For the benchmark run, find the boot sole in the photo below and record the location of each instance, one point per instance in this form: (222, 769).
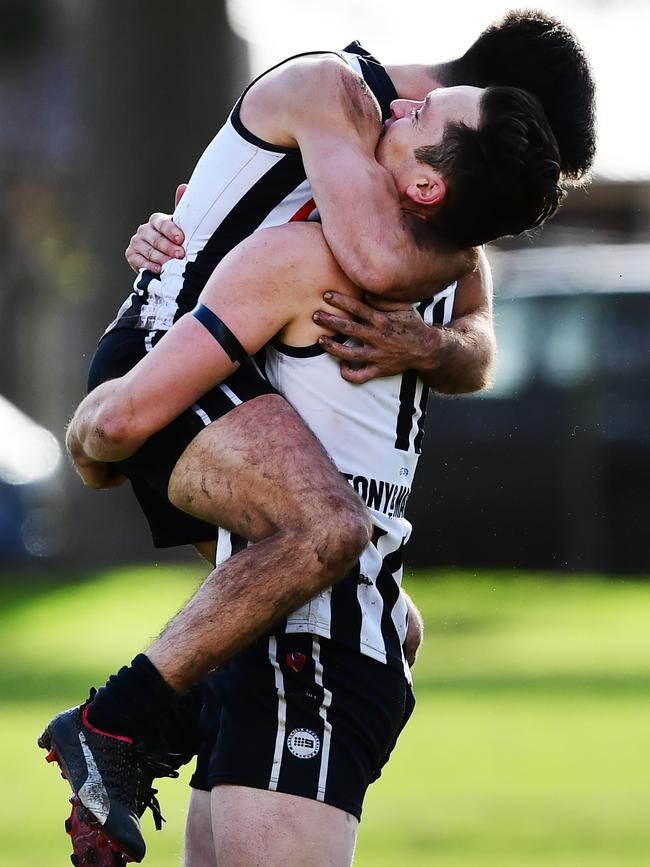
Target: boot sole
(104, 843)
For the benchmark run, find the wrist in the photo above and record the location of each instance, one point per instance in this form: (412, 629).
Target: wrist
(434, 346)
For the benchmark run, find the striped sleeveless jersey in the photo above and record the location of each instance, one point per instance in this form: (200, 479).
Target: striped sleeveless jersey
(373, 433)
(240, 184)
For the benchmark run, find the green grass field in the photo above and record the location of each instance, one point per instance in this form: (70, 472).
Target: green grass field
(529, 746)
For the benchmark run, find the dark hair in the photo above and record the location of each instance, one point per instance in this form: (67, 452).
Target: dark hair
(502, 177)
(535, 52)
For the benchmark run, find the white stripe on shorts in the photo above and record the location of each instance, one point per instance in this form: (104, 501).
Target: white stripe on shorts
(230, 393)
(282, 715)
(202, 414)
(224, 546)
(327, 728)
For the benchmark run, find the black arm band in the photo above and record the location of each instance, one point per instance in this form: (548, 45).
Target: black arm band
(221, 333)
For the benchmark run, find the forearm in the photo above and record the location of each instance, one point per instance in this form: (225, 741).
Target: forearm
(380, 247)
(120, 415)
(458, 358)
(392, 254)
(256, 291)
(98, 431)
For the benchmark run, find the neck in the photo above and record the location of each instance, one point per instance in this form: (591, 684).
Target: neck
(414, 81)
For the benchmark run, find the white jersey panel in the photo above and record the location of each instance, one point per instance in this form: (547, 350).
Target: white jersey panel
(358, 426)
(230, 169)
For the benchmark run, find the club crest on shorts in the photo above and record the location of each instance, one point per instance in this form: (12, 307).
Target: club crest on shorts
(303, 743)
(296, 661)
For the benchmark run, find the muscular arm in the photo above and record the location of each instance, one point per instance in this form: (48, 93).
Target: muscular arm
(392, 338)
(330, 114)
(259, 289)
(462, 355)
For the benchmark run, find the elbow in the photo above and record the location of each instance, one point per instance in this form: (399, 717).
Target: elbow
(479, 375)
(381, 278)
(466, 385)
(379, 282)
(380, 272)
(479, 382)
(479, 378)
(390, 278)
(369, 276)
(471, 378)
(112, 435)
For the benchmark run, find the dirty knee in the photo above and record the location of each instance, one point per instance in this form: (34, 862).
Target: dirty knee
(344, 541)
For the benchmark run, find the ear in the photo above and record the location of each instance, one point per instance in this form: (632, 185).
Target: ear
(427, 189)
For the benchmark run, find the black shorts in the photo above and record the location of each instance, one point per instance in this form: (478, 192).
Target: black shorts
(302, 715)
(150, 468)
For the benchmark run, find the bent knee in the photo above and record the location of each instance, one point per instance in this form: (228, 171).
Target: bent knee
(354, 534)
(339, 542)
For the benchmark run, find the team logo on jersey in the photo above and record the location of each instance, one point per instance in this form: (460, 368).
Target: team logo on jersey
(303, 743)
(296, 661)
(404, 471)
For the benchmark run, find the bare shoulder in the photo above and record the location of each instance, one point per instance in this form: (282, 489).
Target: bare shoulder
(320, 90)
(299, 267)
(299, 254)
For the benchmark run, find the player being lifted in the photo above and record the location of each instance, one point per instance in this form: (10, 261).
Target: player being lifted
(306, 537)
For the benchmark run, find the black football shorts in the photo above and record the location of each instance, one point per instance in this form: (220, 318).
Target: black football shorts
(303, 715)
(150, 468)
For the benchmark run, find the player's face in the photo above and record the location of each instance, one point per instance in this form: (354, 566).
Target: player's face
(415, 124)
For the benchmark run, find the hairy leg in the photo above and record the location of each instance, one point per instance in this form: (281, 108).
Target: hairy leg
(260, 473)
(258, 828)
(199, 845)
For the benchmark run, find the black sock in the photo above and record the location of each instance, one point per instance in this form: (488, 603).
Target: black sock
(137, 703)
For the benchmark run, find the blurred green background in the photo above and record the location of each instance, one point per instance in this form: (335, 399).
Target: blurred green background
(530, 740)
(528, 746)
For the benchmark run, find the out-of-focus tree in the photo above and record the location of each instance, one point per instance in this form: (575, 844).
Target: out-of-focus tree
(109, 106)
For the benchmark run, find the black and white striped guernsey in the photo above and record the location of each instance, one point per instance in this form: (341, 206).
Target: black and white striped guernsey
(240, 184)
(373, 433)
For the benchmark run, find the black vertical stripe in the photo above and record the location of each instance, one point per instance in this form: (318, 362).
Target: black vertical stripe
(439, 312)
(238, 543)
(406, 410)
(389, 590)
(138, 297)
(345, 610)
(145, 279)
(244, 218)
(438, 317)
(407, 399)
(424, 399)
(375, 77)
